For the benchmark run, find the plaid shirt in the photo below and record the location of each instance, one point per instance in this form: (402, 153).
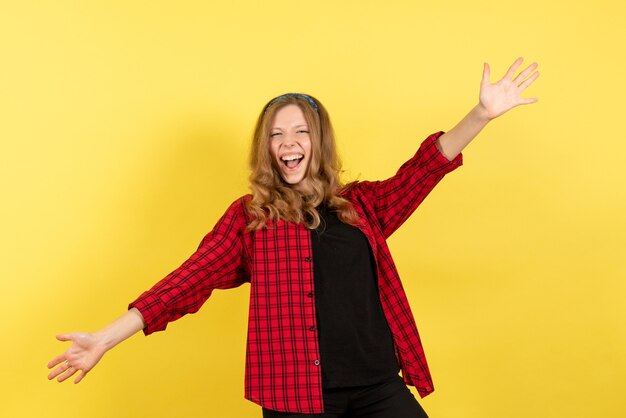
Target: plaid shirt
(283, 364)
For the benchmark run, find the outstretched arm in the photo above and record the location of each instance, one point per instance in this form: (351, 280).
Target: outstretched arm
(216, 264)
(88, 348)
(495, 99)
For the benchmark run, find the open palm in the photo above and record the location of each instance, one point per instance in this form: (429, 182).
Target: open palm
(84, 353)
(504, 95)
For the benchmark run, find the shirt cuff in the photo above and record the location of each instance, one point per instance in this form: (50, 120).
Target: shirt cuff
(436, 161)
(153, 311)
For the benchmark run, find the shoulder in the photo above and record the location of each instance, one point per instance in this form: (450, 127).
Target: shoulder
(240, 202)
(356, 190)
(237, 209)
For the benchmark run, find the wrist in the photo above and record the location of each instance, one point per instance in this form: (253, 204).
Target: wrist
(120, 329)
(481, 114)
(104, 339)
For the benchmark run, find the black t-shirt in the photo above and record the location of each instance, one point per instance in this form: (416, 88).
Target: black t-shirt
(356, 346)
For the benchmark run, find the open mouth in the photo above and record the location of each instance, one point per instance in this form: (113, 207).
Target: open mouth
(292, 161)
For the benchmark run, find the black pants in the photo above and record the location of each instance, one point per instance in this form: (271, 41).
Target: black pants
(389, 399)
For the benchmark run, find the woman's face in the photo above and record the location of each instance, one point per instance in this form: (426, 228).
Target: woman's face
(290, 145)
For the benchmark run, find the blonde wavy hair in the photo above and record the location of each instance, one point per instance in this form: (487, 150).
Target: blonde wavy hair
(273, 198)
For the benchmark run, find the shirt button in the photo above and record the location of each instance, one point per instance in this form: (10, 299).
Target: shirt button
(316, 362)
(307, 259)
(311, 328)
(310, 294)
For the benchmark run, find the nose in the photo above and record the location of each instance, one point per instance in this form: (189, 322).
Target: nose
(289, 140)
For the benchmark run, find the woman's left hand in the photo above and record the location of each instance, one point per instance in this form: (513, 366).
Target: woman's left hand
(498, 98)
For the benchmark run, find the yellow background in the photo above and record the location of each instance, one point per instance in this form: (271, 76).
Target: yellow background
(125, 127)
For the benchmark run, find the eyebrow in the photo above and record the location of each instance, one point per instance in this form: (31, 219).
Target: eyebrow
(297, 126)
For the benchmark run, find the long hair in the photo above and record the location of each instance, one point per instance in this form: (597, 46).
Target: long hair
(272, 197)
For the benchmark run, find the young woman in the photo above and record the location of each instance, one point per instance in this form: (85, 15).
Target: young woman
(329, 324)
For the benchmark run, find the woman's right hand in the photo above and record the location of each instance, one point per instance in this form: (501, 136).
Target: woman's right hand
(84, 353)
(88, 348)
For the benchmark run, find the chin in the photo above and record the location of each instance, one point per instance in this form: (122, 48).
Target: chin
(293, 183)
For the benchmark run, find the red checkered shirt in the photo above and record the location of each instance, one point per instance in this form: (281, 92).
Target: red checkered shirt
(283, 364)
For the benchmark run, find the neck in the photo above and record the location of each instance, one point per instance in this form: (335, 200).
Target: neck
(304, 187)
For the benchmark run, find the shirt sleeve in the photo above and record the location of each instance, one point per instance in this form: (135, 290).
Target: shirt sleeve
(396, 198)
(216, 264)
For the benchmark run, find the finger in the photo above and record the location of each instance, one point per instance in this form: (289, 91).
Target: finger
(68, 373)
(80, 376)
(486, 73)
(55, 373)
(65, 337)
(529, 101)
(62, 368)
(57, 360)
(529, 81)
(513, 68)
(522, 76)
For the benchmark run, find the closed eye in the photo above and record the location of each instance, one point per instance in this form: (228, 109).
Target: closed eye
(280, 133)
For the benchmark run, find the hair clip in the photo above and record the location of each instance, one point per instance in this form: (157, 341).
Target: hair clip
(304, 96)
